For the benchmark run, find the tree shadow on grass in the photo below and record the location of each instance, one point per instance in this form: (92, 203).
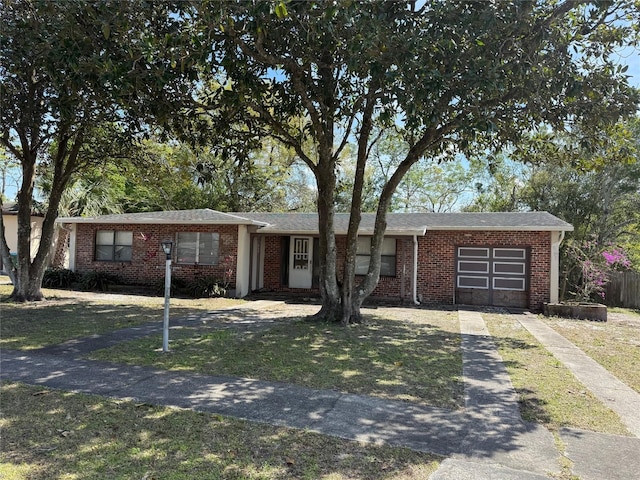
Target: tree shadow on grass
(389, 359)
(34, 325)
(48, 434)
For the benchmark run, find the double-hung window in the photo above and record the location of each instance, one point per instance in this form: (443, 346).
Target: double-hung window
(387, 257)
(198, 247)
(113, 246)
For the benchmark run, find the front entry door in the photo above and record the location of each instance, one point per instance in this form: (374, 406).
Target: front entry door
(300, 262)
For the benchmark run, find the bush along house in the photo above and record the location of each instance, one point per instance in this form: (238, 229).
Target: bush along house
(495, 259)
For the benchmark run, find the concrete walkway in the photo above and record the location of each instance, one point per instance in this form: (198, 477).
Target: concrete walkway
(486, 440)
(608, 389)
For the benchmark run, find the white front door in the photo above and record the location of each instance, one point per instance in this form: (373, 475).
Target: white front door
(300, 262)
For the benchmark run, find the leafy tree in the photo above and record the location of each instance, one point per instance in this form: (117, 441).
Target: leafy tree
(71, 75)
(595, 186)
(452, 76)
(173, 176)
(498, 184)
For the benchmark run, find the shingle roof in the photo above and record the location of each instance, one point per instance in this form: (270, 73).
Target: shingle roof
(201, 216)
(11, 208)
(307, 223)
(413, 223)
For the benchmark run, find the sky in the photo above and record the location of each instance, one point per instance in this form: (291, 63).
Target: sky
(631, 57)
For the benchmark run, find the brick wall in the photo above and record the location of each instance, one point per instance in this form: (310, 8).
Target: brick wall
(436, 264)
(147, 263)
(436, 254)
(436, 259)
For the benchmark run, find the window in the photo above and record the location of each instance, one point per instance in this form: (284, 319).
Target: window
(113, 246)
(387, 256)
(198, 247)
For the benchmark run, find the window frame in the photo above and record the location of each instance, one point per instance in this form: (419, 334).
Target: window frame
(362, 268)
(216, 240)
(113, 246)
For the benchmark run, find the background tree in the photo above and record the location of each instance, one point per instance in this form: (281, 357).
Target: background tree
(593, 185)
(451, 76)
(70, 75)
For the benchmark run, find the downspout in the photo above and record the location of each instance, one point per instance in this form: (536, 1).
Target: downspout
(415, 270)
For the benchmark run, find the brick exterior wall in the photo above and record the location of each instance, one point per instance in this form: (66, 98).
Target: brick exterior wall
(436, 259)
(436, 264)
(147, 263)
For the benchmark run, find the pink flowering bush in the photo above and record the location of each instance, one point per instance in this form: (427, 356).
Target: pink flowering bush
(589, 267)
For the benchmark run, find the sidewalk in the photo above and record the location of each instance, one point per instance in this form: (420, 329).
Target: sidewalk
(486, 440)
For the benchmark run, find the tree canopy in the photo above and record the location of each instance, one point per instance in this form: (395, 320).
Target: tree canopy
(450, 76)
(78, 80)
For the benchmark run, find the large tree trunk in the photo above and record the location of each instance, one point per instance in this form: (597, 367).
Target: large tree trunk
(331, 310)
(28, 282)
(23, 288)
(359, 292)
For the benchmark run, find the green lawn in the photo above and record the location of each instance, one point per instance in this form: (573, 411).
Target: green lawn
(402, 354)
(48, 434)
(67, 314)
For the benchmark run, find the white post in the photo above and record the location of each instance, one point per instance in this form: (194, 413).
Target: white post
(166, 247)
(167, 294)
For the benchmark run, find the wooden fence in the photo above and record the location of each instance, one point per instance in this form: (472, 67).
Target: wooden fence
(623, 290)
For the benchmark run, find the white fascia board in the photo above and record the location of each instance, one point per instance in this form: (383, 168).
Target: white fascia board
(528, 228)
(311, 233)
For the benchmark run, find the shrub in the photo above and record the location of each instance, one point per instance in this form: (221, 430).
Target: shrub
(100, 281)
(178, 287)
(206, 287)
(58, 278)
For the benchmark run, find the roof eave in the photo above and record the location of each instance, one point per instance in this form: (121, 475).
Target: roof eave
(510, 228)
(388, 232)
(151, 221)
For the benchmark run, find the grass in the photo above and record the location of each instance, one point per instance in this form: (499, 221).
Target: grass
(67, 314)
(402, 354)
(614, 344)
(549, 393)
(49, 434)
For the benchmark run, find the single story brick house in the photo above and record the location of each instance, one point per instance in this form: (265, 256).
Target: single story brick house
(500, 259)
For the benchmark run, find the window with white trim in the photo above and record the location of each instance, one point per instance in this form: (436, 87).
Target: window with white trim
(387, 256)
(113, 246)
(200, 248)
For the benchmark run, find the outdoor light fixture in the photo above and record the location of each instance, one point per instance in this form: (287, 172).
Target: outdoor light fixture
(167, 246)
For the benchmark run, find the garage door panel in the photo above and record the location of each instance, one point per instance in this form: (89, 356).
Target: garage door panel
(509, 298)
(509, 268)
(473, 282)
(492, 276)
(508, 284)
(468, 296)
